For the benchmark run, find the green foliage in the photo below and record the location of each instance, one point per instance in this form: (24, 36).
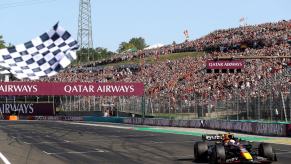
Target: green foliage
(124, 46)
(87, 55)
(133, 45)
(139, 43)
(2, 43)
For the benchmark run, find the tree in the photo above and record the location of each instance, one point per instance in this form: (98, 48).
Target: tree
(102, 53)
(139, 43)
(133, 44)
(124, 46)
(2, 43)
(94, 54)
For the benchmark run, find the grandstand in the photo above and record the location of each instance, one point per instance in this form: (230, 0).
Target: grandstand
(180, 85)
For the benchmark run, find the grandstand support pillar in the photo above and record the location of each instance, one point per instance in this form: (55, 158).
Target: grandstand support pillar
(284, 107)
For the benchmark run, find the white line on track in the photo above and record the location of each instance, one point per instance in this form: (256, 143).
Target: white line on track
(101, 125)
(162, 142)
(284, 152)
(46, 142)
(4, 159)
(77, 152)
(174, 157)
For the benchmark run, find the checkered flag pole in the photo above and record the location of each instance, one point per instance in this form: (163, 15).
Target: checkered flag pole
(43, 56)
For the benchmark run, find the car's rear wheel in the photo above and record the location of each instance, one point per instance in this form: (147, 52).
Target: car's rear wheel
(200, 151)
(266, 151)
(218, 155)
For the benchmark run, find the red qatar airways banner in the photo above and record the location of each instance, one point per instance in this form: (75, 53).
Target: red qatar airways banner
(71, 89)
(225, 64)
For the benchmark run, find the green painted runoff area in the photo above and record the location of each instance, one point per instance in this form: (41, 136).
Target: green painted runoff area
(197, 134)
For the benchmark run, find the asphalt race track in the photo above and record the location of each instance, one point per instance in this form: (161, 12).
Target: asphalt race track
(34, 142)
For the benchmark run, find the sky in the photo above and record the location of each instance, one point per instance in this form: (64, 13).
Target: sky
(115, 21)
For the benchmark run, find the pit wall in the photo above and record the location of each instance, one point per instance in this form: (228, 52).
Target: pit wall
(249, 127)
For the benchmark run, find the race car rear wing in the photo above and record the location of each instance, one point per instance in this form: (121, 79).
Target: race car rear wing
(212, 137)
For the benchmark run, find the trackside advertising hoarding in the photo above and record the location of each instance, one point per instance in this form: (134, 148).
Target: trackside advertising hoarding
(225, 64)
(71, 89)
(28, 109)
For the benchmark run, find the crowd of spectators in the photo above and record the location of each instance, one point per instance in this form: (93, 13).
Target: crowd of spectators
(238, 39)
(183, 78)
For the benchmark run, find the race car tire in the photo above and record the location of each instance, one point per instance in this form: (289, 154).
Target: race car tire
(218, 155)
(266, 151)
(200, 151)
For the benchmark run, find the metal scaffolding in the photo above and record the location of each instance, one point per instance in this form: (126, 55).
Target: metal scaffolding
(85, 28)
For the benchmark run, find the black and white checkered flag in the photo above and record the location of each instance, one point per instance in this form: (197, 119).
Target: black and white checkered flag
(43, 56)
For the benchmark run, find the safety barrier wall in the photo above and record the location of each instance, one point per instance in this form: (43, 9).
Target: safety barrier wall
(103, 119)
(163, 122)
(259, 128)
(57, 118)
(268, 129)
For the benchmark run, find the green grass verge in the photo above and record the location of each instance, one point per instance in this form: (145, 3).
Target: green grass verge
(193, 133)
(153, 59)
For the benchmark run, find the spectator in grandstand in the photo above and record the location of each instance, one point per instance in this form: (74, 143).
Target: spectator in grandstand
(181, 80)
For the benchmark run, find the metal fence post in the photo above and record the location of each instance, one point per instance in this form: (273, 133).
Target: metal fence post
(248, 114)
(143, 106)
(259, 107)
(70, 103)
(271, 106)
(289, 99)
(284, 108)
(79, 103)
(89, 103)
(237, 107)
(94, 103)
